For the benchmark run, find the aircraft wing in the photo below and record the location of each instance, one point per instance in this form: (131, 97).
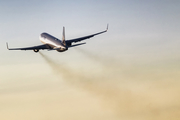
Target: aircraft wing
(69, 42)
(31, 48)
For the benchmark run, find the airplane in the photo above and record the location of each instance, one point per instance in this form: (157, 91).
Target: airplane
(52, 43)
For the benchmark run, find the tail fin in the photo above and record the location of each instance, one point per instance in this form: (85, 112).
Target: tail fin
(63, 36)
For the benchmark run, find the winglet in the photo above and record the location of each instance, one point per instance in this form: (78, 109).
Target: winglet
(7, 45)
(107, 27)
(63, 36)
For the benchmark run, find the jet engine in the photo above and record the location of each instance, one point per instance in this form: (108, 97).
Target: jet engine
(36, 50)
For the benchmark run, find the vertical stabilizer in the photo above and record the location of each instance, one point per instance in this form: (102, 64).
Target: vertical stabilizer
(63, 36)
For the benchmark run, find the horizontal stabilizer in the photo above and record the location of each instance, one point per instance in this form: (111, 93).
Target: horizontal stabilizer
(77, 44)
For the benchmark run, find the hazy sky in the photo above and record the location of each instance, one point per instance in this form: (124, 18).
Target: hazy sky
(143, 38)
(134, 26)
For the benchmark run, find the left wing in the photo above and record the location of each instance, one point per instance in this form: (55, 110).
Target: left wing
(31, 48)
(69, 42)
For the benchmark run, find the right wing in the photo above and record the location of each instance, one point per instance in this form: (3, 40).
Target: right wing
(69, 42)
(31, 48)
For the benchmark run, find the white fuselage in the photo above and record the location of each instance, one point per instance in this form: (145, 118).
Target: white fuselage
(53, 42)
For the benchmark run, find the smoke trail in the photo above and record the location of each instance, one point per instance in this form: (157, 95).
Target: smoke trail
(62, 71)
(110, 94)
(106, 62)
(126, 103)
(109, 66)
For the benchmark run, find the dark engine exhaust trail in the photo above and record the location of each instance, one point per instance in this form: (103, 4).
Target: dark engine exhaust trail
(55, 67)
(124, 101)
(92, 56)
(62, 71)
(111, 96)
(109, 66)
(104, 61)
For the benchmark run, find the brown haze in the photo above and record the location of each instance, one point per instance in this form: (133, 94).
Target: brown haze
(138, 92)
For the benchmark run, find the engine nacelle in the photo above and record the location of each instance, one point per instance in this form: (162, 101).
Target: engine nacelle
(36, 50)
(69, 44)
(62, 50)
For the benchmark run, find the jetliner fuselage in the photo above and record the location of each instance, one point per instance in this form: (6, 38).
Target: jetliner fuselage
(53, 42)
